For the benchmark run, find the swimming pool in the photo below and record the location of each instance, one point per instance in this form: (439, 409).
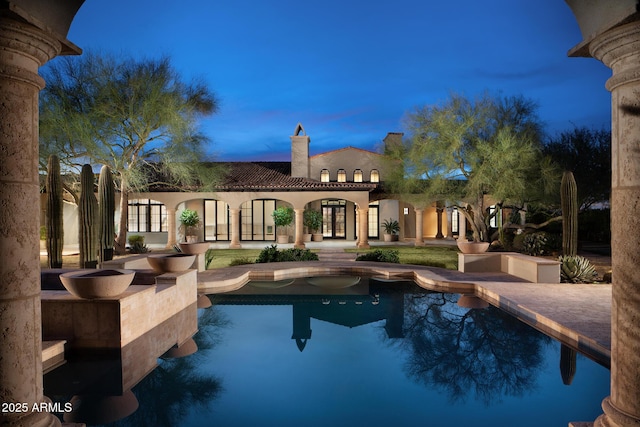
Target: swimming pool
(372, 353)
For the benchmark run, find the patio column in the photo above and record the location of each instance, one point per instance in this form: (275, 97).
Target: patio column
(619, 49)
(363, 228)
(235, 229)
(23, 49)
(298, 238)
(449, 235)
(419, 227)
(439, 234)
(171, 227)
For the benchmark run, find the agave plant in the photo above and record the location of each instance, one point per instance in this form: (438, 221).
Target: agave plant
(576, 269)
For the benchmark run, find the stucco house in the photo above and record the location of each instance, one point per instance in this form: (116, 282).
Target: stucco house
(346, 185)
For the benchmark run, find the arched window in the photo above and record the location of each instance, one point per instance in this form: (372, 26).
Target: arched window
(375, 176)
(357, 175)
(324, 175)
(342, 175)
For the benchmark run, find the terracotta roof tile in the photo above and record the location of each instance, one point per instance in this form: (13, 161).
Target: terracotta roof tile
(276, 176)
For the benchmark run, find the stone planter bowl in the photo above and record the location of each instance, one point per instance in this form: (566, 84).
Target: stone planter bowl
(91, 284)
(194, 248)
(472, 247)
(171, 263)
(185, 349)
(96, 409)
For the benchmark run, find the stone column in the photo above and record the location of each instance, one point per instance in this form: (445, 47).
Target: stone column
(23, 49)
(171, 227)
(449, 235)
(235, 229)
(439, 234)
(419, 227)
(619, 49)
(298, 238)
(363, 230)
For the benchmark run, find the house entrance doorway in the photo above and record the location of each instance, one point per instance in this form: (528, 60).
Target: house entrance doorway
(334, 213)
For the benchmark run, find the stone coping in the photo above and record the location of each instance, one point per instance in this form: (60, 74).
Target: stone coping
(52, 355)
(577, 315)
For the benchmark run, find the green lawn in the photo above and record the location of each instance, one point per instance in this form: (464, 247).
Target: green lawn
(433, 256)
(223, 257)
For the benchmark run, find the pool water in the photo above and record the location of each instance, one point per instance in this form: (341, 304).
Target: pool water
(370, 353)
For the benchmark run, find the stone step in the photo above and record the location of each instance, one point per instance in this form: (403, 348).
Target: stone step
(336, 255)
(52, 355)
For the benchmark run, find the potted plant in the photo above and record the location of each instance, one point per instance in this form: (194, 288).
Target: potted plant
(391, 229)
(313, 221)
(190, 221)
(283, 217)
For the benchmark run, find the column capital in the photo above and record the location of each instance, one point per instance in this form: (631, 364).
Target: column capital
(23, 49)
(619, 49)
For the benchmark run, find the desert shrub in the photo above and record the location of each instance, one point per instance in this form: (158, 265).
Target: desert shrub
(268, 254)
(295, 254)
(272, 254)
(576, 269)
(380, 255)
(208, 258)
(540, 243)
(136, 244)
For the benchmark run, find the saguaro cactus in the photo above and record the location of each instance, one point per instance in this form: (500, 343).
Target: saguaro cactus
(88, 230)
(569, 203)
(106, 211)
(567, 364)
(54, 223)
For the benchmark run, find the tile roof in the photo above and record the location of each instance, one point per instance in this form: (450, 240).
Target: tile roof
(276, 176)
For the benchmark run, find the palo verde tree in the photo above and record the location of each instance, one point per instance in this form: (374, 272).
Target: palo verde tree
(137, 116)
(464, 151)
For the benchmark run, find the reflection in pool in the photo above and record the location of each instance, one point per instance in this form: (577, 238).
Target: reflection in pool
(376, 353)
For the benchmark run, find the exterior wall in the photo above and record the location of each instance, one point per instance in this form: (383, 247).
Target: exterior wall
(348, 159)
(389, 209)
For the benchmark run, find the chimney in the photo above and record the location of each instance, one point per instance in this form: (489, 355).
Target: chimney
(300, 153)
(392, 141)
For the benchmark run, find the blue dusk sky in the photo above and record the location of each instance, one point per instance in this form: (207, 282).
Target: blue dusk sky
(349, 71)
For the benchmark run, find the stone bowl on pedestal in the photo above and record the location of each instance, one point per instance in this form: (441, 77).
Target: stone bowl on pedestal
(193, 248)
(472, 247)
(185, 349)
(97, 409)
(171, 263)
(91, 284)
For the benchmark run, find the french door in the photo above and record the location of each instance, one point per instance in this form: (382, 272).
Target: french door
(334, 213)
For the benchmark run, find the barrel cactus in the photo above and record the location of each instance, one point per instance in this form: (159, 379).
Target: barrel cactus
(569, 203)
(106, 212)
(88, 220)
(54, 223)
(576, 269)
